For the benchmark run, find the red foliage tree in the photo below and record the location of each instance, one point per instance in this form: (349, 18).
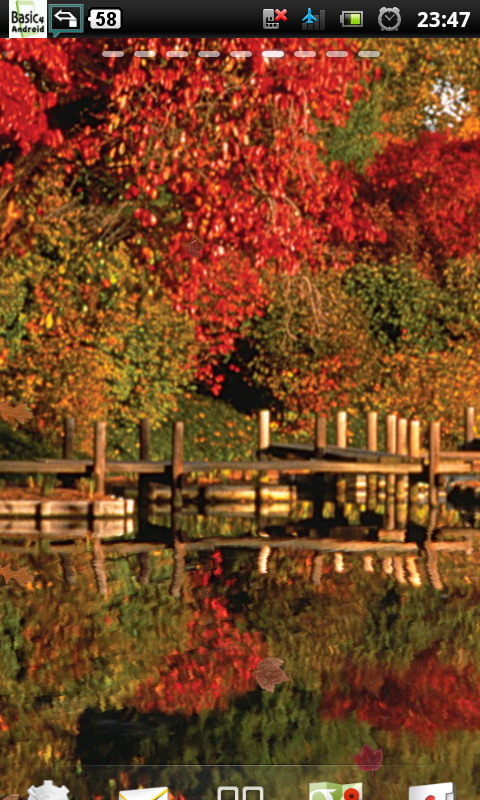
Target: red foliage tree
(425, 195)
(427, 698)
(225, 152)
(216, 665)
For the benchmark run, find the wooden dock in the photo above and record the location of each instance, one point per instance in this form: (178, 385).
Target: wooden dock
(403, 461)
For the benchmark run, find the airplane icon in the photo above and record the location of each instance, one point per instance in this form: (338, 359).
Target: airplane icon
(313, 22)
(309, 17)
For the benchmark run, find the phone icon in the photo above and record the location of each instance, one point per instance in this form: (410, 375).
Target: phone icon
(269, 20)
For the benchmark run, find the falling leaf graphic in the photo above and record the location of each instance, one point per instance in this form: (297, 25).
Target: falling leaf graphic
(18, 413)
(21, 576)
(268, 673)
(368, 759)
(194, 248)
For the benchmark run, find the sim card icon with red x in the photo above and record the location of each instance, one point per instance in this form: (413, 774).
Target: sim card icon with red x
(271, 18)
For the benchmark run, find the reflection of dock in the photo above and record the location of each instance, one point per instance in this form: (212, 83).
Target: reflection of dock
(70, 526)
(66, 528)
(405, 562)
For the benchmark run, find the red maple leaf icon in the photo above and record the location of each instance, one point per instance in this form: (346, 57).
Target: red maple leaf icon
(368, 759)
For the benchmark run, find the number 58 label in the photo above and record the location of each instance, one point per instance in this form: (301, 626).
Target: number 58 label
(105, 18)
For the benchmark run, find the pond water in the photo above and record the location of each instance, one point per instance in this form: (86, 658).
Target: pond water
(125, 653)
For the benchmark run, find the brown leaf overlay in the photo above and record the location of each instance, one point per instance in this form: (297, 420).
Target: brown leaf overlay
(368, 759)
(21, 576)
(268, 673)
(194, 248)
(18, 413)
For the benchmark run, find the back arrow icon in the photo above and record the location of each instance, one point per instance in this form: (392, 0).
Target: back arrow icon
(67, 15)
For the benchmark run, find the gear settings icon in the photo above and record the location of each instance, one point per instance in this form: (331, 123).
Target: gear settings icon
(48, 792)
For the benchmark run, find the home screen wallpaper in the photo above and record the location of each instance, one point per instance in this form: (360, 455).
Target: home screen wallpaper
(239, 360)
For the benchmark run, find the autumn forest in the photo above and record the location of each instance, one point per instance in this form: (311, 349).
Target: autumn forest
(200, 238)
(334, 205)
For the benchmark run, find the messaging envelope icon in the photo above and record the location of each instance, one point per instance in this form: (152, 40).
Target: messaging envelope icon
(432, 791)
(160, 793)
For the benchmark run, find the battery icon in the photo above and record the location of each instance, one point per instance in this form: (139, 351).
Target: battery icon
(351, 19)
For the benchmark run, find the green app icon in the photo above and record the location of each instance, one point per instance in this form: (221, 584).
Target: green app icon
(335, 791)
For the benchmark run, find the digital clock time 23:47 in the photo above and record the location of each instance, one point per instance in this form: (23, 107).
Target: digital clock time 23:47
(432, 19)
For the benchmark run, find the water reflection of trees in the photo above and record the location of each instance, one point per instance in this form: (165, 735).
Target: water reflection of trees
(108, 658)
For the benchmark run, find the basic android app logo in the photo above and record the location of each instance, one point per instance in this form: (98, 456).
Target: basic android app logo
(27, 19)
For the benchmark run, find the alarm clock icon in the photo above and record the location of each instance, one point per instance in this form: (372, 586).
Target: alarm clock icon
(389, 19)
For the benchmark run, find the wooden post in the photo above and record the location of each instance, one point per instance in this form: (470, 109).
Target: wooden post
(341, 429)
(341, 441)
(99, 457)
(320, 435)
(143, 480)
(390, 512)
(414, 438)
(433, 462)
(263, 430)
(392, 433)
(372, 430)
(68, 481)
(68, 436)
(391, 439)
(372, 444)
(177, 465)
(318, 481)
(402, 437)
(145, 439)
(469, 424)
(414, 451)
(402, 480)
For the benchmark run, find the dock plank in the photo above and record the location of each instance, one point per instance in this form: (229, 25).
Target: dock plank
(45, 466)
(342, 453)
(62, 466)
(307, 465)
(383, 464)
